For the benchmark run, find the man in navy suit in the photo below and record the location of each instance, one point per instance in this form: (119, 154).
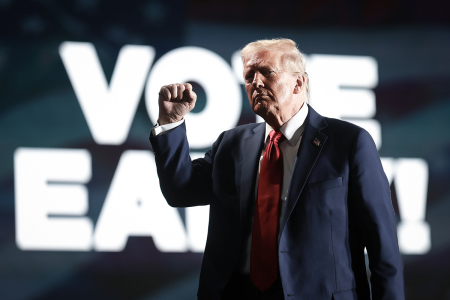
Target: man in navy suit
(293, 201)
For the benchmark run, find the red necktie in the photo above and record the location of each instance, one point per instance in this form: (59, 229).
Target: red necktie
(263, 256)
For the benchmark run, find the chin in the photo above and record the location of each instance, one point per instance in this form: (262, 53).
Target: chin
(261, 108)
(260, 111)
(263, 114)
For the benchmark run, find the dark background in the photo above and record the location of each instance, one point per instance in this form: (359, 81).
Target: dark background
(38, 108)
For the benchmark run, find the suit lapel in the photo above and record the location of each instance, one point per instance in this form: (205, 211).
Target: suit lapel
(307, 155)
(251, 152)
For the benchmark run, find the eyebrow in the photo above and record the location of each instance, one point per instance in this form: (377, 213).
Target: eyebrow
(261, 66)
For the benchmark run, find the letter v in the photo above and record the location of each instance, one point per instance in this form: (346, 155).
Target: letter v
(109, 111)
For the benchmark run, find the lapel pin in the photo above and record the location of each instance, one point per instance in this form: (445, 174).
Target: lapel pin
(316, 142)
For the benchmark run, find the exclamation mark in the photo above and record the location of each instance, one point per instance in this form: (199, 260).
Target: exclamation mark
(411, 184)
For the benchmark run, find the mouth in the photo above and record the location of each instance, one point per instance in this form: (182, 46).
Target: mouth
(260, 97)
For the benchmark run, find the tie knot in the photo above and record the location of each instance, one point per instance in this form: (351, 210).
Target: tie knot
(276, 136)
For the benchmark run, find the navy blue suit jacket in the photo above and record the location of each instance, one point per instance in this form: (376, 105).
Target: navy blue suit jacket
(338, 203)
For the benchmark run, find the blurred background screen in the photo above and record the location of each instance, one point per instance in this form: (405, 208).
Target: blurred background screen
(81, 211)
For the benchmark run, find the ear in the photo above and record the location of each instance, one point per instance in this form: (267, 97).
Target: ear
(300, 84)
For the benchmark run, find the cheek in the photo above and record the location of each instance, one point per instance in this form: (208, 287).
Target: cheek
(249, 91)
(283, 91)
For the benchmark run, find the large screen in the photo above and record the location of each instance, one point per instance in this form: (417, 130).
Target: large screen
(81, 211)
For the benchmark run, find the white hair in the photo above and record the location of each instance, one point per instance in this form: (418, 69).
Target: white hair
(292, 60)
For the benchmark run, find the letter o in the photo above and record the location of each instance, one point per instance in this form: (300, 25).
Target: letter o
(223, 96)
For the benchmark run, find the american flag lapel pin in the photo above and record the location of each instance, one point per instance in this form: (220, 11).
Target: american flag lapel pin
(316, 142)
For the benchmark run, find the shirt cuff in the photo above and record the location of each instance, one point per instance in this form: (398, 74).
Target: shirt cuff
(163, 129)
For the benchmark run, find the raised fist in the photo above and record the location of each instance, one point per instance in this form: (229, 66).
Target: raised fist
(175, 101)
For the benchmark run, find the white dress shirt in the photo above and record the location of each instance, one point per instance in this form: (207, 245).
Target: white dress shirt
(293, 131)
(162, 129)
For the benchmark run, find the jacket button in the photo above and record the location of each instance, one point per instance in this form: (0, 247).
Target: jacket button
(283, 251)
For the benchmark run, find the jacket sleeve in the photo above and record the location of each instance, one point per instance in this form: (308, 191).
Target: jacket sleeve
(370, 193)
(183, 182)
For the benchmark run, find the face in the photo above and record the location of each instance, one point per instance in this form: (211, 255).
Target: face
(274, 93)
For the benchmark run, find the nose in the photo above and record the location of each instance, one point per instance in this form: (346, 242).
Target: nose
(257, 80)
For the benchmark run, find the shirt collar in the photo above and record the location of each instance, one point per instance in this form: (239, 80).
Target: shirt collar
(292, 129)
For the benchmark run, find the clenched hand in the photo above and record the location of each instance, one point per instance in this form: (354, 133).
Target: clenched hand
(175, 101)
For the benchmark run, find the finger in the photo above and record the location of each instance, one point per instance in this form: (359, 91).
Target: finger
(189, 94)
(173, 91)
(192, 96)
(188, 86)
(165, 93)
(180, 91)
(192, 99)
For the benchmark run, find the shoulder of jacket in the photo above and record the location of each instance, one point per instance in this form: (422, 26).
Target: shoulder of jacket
(340, 125)
(241, 129)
